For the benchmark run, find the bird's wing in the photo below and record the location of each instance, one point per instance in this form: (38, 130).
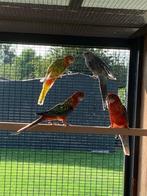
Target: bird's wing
(124, 112)
(59, 109)
(103, 66)
(47, 75)
(55, 69)
(93, 67)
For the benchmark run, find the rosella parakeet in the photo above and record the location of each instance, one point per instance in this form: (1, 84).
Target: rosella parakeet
(118, 119)
(59, 112)
(55, 71)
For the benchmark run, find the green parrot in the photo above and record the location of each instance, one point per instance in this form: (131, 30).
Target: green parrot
(59, 112)
(55, 71)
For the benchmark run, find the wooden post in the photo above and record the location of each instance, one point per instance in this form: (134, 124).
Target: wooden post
(142, 175)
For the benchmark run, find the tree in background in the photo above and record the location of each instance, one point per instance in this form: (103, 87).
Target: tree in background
(28, 65)
(116, 62)
(7, 56)
(25, 64)
(42, 65)
(7, 53)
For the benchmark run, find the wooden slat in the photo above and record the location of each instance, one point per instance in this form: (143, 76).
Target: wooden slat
(140, 32)
(71, 20)
(75, 4)
(8, 126)
(142, 173)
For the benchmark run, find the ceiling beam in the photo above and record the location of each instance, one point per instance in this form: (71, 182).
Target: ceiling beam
(75, 4)
(141, 32)
(65, 40)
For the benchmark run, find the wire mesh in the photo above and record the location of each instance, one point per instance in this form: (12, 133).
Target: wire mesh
(58, 163)
(75, 18)
(116, 5)
(41, 2)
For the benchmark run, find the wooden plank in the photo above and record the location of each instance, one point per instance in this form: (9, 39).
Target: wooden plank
(140, 32)
(8, 126)
(142, 172)
(75, 4)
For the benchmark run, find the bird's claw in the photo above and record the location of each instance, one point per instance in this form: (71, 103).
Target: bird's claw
(50, 123)
(116, 137)
(15, 134)
(94, 77)
(65, 124)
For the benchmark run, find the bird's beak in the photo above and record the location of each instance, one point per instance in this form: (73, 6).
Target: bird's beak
(71, 61)
(110, 100)
(81, 98)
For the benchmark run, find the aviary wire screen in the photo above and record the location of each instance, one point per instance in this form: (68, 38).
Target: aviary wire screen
(58, 164)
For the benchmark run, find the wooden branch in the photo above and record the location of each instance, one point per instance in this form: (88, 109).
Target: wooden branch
(75, 4)
(9, 126)
(66, 74)
(77, 73)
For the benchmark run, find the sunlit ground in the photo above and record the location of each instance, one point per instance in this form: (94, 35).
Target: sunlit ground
(60, 173)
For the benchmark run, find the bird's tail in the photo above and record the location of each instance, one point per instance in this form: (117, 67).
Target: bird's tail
(47, 85)
(125, 144)
(103, 90)
(32, 124)
(111, 76)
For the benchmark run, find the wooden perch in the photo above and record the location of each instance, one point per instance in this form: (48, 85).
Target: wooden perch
(66, 74)
(77, 73)
(10, 126)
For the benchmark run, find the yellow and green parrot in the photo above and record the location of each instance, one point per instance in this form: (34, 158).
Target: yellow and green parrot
(55, 71)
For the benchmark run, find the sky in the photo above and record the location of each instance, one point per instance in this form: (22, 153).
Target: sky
(39, 49)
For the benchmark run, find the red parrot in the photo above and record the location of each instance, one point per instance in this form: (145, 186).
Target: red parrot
(118, 119)
(59, 112)
(55, 71)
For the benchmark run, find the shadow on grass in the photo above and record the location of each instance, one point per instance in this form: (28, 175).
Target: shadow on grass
(111, 161)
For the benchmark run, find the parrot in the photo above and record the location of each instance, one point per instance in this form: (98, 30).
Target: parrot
(118, 118)
(100, 71)
(59, 112)
(54, 71)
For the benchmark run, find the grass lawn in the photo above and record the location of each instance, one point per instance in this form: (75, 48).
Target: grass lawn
(122, 95)
(27, 172)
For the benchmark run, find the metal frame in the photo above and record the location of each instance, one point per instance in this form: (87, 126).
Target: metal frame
(27, 38)
(135, 46)
(134, 96)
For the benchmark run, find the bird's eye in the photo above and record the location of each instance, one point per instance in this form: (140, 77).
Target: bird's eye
(112, 100)
(81, 98)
